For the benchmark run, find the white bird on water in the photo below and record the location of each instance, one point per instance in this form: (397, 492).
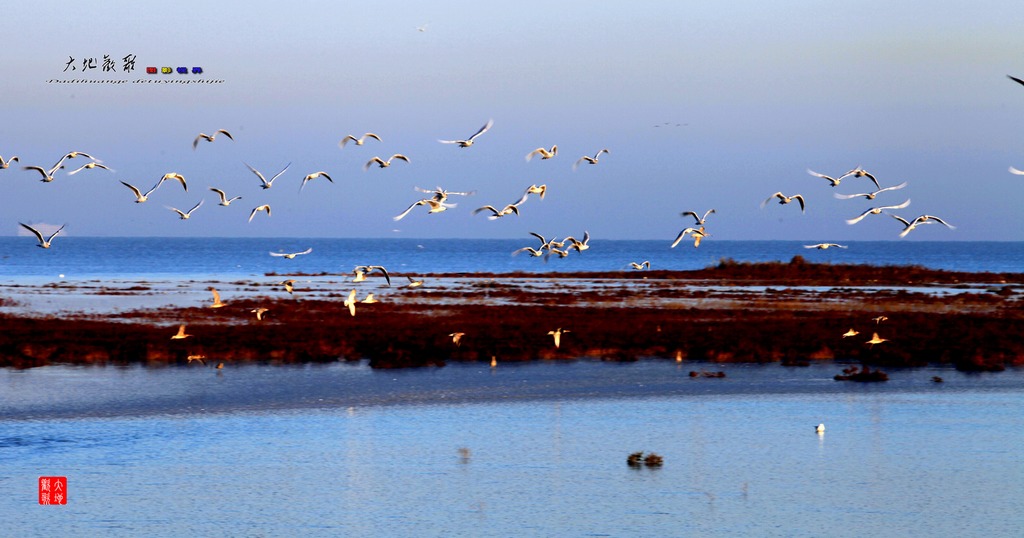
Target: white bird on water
(267, 183)
(820, 428)
(469, 141)
(43, 243)
(291, 255)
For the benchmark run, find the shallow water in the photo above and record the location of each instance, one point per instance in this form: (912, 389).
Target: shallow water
(344, 450)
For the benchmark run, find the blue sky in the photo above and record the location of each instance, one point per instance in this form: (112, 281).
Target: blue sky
(760, 94)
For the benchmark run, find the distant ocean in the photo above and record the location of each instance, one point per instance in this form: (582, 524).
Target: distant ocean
(85, 257)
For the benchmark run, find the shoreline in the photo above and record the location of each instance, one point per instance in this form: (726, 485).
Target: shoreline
(792, 313)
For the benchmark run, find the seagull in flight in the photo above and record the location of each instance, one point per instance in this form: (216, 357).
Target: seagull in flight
(533, 189)
(259, 312)
(457, 338)
(267, 184)
(73, 155)
(264, 207)
(580, 246)
(871, 195)
(291, 255)
(177, 177)
(469, 141)
(209, 138)
(217, 303)
(184, 215)
(43, 243)
(875, 340)
(367, 269)
(224, 200)
(696, 233)
(139, 196)
(5, 164)
(440, 195)
(557, 334)
(289, 286)
(313, 176)
(435, 207)
(181, 333)
(850, 333)
(413, 283)
(700, 220)
(47, 174)
(785, 199)
(359, 141)
(350, 302)
(507, 210)
(923, 219)
(825, 246)
(876, 211)
(640, 266)
(1012, 169)
(834, 182)
(381, 163)
(860, 172)
(544, 153)
(589, 160)
(89, 166)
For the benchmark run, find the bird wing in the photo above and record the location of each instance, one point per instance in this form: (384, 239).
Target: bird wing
(383, 270)
(406, 212)
(346, 139)
(901, 185)
(800, 199)
(198, 138)
(860, 217)
(227, 134)
(33, 230)
(223, 196)
(1015, 79)
(778, 195)
(258, 174)
(681, 235)
(848, 196)
(195, 207)
(370, 163)
(482, 130)
(936, 219)
(1016, 171)
(400, 157)
(277, 175)
(872, 178)
(488, 207)
(138, 194)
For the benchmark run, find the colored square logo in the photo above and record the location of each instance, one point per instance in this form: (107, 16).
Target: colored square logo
(151, 70)
(53, 490)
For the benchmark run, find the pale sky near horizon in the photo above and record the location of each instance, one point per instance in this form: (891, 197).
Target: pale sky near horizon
(701, 106)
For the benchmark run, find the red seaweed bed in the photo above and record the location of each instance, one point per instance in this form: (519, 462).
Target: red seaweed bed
(978, 329)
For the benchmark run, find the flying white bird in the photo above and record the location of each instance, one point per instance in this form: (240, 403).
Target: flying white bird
(435, 207)
(224, 200)
(89, 166)
(267, 184)
(47, 174)
(177, 177)
(589, 160)
(469, 141)
(313, 176)
(359, 141)
(381, 163)
(785, 199)
(139, 196)
(876, 211)
(43, 243)
(544, 153)
(696, 233)
(209, 138)
(700, 220)
(834, 182)
(5, 164)
(264, 207)
(184, 215)
(869, 195)
(533, 189)
(291, 255)
(860, 172)
(824, 246)
(507, 210)
(350, 302)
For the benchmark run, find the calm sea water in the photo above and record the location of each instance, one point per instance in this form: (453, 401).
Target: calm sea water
(521, 450)
(225, 257)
